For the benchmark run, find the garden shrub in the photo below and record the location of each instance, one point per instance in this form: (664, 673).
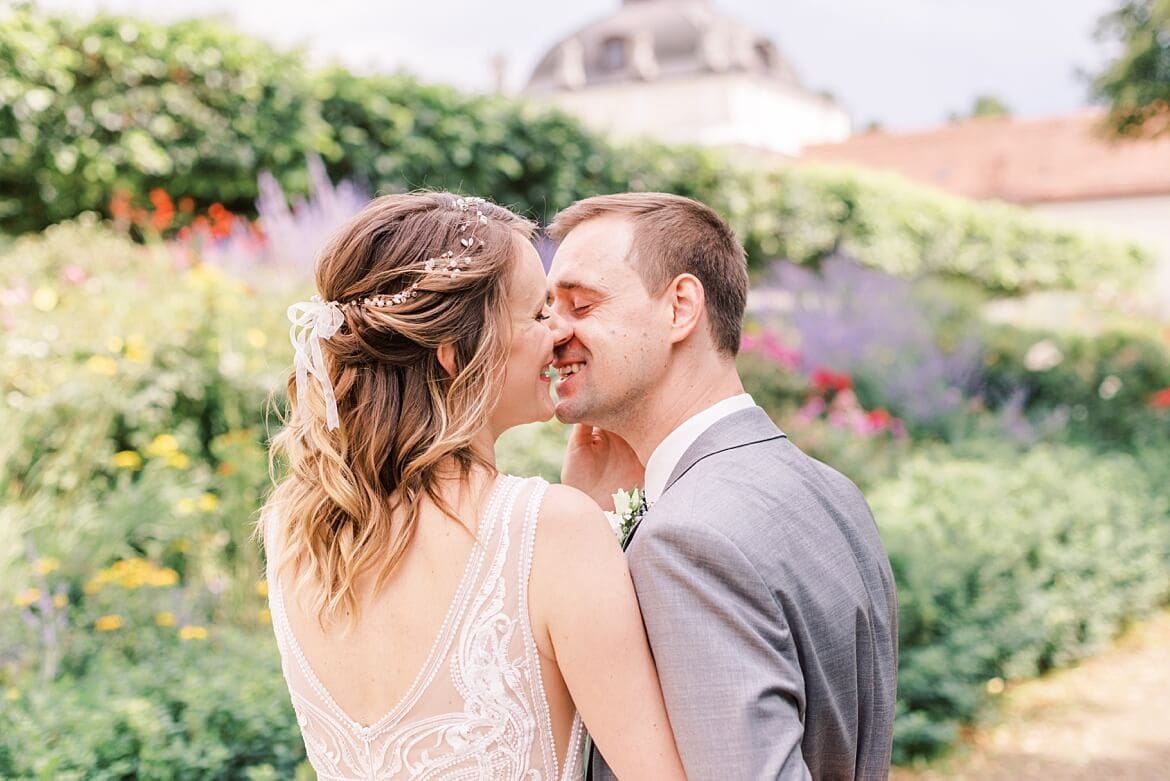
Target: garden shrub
(1009, 564)
(91, 106)
(213, 708)
(1105, 386)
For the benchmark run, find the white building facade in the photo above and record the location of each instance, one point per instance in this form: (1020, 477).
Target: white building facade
(680, 72)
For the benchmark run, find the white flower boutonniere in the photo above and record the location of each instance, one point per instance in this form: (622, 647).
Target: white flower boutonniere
(627, 508)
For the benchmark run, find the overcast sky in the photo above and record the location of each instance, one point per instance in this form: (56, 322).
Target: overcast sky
(904, 63)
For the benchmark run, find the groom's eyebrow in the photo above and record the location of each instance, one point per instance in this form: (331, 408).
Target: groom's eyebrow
(569, 285)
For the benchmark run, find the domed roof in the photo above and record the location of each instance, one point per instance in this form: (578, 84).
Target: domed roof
(653, 39)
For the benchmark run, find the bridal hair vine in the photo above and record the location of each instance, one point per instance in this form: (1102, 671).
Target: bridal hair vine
(315, 320)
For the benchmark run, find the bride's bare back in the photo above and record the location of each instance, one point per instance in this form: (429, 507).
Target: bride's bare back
(441, 672)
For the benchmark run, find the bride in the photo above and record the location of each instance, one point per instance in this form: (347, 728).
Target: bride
(437, 619)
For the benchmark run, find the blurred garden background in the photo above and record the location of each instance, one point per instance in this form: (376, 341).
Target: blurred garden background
(995, 378)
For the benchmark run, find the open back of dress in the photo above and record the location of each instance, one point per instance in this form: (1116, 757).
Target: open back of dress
(477, 709)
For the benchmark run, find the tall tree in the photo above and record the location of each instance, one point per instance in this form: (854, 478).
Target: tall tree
(1136, 85)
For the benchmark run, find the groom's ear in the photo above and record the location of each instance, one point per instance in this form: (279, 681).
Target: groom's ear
(688, 302)
(446, 355)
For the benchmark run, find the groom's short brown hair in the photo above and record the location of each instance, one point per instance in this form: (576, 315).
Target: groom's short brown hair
(675, 235)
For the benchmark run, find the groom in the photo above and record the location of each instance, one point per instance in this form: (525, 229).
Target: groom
(767, 595)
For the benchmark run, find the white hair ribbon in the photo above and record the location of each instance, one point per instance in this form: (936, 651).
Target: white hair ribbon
(312, 321)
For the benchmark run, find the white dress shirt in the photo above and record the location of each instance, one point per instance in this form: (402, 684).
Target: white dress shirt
(671, 450)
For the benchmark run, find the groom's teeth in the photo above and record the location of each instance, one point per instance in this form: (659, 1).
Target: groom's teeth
(572, 368)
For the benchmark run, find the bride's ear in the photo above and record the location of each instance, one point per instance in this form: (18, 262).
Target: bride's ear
(446, 354)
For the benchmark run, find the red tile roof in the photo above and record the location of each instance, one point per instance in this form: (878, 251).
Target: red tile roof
(1067, 158)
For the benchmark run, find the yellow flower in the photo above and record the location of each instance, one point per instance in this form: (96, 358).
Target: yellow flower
(181, 545)
(131, 574)
(60, 600)
(208, 503)
(202, 275)
(127, 459)
(136, 349)
(108, 623)
(114, 344)
(27, 597)
(185, 506)
(45, 299)
(178, 460)
(163, 577)
(12, 694)
(264, 616)
(192, 633)
(262, 588)
(165, 618)
(257, 338)
(162, 445)
(103, 365)
(46, 566)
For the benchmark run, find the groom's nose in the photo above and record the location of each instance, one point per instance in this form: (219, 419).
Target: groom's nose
(561, 330)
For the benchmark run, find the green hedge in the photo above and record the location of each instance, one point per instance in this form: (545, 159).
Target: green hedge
(89, 107)
(806, 214)
(1009, 564)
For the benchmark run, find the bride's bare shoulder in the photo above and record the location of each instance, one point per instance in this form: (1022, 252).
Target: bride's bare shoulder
(564, 505)
(572, 533)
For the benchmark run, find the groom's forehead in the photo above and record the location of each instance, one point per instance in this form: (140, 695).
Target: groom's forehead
(592, 266)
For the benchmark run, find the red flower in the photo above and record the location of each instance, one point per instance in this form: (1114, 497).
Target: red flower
(1161, 399)
(186, 204)
(823, 380)
(879, 417)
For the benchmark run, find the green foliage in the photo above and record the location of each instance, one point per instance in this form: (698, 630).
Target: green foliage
(809, 214)
(396, 134)
(1137, 83)
(207, 109)
(1009, 564)
(534, 449)
(983, 106)
(197, 710)
(1102, 384)
(135, 394)
(88, 107)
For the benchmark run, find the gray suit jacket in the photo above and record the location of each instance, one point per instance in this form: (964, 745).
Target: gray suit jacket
(770, 608)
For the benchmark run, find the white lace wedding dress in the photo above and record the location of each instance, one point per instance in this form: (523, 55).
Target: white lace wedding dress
(484, 658)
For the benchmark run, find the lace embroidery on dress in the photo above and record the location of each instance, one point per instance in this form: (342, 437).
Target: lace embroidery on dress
(484, 657)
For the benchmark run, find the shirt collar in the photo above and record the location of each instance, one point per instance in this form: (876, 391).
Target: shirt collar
(671, 450)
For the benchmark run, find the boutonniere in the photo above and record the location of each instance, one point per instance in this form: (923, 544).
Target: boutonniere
(627, 509)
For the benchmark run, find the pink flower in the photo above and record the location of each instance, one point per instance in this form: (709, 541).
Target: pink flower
(769, 345)
(74, 275)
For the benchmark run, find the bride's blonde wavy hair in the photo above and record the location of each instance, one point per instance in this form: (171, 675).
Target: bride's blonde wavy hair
(350, 502)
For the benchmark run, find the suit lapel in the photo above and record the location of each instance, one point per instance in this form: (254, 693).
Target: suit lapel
(746, 427)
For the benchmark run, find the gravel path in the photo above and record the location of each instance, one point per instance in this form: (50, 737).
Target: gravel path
(1109, 718)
